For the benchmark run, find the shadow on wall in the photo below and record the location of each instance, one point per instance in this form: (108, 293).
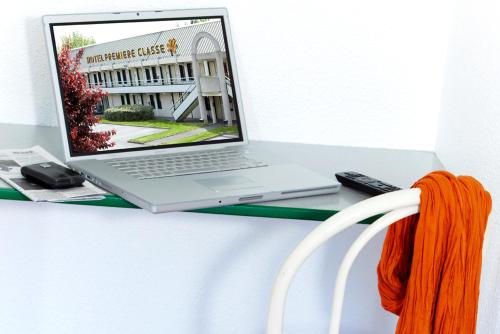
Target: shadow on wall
(238, 252)
(246, 267)
(361, 284)
(40, 77)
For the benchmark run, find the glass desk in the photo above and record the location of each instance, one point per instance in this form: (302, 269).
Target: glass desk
(398, 167)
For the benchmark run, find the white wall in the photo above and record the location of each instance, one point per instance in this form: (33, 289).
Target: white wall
(363, 73)
(67, 269)
(469, 140)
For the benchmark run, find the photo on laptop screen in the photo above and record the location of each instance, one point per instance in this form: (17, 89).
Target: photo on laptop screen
(134, 85)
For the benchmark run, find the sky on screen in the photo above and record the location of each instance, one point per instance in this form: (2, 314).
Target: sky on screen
(107, 32)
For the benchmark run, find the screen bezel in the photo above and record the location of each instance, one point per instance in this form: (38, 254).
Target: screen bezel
(106, 18)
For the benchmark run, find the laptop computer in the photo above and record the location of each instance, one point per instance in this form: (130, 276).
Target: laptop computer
(149, 108)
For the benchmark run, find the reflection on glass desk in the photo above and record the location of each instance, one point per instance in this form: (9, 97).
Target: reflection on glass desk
(398, 167)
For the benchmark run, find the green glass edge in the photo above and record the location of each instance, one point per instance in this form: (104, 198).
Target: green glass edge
(248, 210)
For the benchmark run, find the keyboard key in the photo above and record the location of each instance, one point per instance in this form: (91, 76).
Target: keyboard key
(184, 164)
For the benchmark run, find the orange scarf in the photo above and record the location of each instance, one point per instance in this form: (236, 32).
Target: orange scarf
(430, 265)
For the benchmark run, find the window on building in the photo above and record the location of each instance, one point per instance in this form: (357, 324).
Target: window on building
(95, 79)
(138, 76)
(128, 98)
(155, 75)
(88, 79)
(152, 101)
(104, 77)
(105, 102)
(124, 73)
(110, 79)
(190, 71)
(133, 99)
(122, 98)
(158, 101)
(100, 77)
(169, 68)
(183, 74)
(119, 77)
(130, 77)
(162, 77)
(148, 75)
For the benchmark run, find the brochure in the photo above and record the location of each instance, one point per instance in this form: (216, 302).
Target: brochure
(11, 162)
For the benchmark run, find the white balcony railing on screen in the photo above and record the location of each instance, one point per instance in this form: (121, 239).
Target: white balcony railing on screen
(144, 82)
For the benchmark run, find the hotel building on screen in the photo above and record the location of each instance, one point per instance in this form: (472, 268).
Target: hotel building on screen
(182, 73)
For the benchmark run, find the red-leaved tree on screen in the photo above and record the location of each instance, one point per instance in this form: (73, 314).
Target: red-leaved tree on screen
(79, 104)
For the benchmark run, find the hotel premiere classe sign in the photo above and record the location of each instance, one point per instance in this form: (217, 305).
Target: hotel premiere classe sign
(170, 47)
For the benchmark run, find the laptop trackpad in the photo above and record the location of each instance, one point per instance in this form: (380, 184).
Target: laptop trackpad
(225, 183)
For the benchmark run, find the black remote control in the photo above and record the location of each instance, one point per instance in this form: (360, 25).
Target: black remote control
(364, 183)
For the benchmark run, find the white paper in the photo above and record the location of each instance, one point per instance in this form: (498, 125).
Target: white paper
(11, 162)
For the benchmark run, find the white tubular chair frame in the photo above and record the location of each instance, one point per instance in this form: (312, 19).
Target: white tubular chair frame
(397, 205)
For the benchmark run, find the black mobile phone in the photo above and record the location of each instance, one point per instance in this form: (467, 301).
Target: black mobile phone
(51, 175)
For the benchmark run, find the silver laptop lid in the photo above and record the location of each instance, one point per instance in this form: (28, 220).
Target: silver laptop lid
(126, 83)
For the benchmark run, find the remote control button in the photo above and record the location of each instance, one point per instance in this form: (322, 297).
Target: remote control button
(365, 179)
(380, 185)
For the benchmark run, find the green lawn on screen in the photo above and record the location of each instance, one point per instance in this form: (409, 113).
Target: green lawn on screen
(172, 128)
(205, 135)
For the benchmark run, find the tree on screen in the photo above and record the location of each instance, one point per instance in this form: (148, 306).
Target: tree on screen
(80, 102)
(77, 40)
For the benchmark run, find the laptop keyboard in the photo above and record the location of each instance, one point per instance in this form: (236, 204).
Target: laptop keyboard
(157, 166)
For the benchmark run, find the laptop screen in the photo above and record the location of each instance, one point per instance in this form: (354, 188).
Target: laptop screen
(145, 84)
